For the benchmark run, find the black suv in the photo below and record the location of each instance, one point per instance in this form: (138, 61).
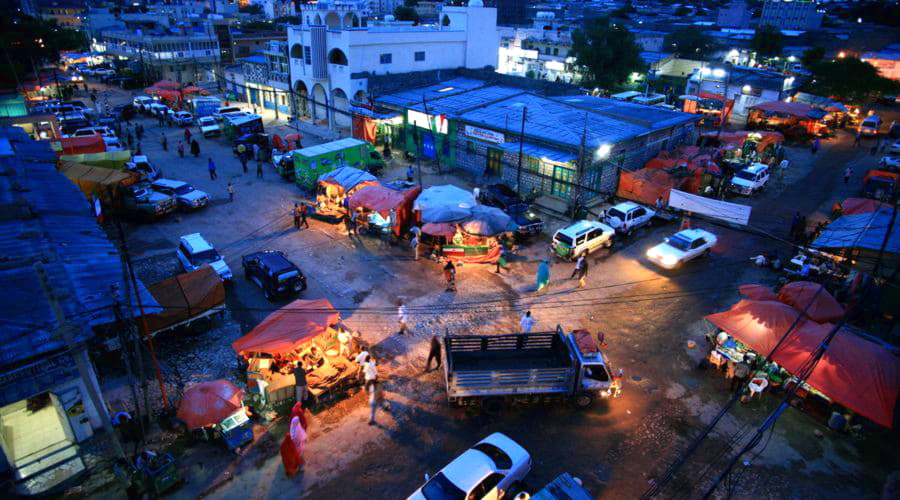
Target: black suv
(276, 275)
(506, 199)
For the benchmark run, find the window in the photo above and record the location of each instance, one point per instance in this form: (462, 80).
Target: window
(420, 56)
(698, 243)
(307, 55)
(640, 212)
(555, 51)
(498, 456)
(533, 165)
(386, 58)
(486, 486)
(547, 50)
(470, 147)
(598, 373)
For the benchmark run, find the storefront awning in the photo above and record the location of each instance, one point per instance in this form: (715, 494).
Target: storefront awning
(541, 152)
(289, 327)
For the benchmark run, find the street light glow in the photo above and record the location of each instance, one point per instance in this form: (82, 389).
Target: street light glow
(718, 73)
(603, 151)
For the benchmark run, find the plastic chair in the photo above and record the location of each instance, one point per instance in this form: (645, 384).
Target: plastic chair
(757, 385)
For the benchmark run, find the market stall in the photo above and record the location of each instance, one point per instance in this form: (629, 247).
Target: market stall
(445, 203)
(336, 187)
(855, 373)
(795, 119)
(302, 333)
(475, 239)
(216, 409)
(387, 207)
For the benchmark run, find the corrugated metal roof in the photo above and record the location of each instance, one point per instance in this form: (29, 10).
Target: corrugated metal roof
(329, 147)
(44, 217)
(411, 97)
(538, 151)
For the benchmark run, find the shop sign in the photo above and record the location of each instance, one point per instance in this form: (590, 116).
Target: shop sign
(484, 134)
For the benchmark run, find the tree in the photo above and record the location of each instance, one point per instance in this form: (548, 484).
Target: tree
(690, 43)
(404, 13)
(605, 53)
(253, 9)
(767, 41)
(850, 80)
(28, 43)
(812, 56)
(683, 10)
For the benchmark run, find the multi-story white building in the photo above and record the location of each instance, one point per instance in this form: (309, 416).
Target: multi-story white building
(183, 55)
(540, 51)
(791, 15)
(336, 48)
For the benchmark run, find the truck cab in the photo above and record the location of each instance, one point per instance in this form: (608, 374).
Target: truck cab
(141, 165)
(594, 375)
(141, 199)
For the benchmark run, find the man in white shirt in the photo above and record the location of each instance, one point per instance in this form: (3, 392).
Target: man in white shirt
(344, 341)
(402, 318)
(370, 371)
(527, 322)
(360, 360)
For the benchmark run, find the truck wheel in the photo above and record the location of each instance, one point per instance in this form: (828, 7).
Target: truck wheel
(492, 406)
(584, 400)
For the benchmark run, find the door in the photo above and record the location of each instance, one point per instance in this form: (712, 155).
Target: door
(494, 161)
(562, 177)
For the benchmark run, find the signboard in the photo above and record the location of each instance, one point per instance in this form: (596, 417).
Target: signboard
(422, 120)
(722, 210)
(485, 134)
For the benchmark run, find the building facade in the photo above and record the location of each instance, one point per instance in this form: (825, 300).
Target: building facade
(266, 79)
(66, 13)
(802, 15)
(747, 87)
(734, 15)
(337, 47)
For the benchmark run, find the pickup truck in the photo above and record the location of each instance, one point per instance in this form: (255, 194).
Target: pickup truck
(491, 370)
(506, 199)
(141, 200)
(628, 216)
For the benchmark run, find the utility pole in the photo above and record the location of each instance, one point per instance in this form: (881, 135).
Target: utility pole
(579, 167)
(724, 100)
(65, 330)
(884, 242)
(521, 145)
(437, 153)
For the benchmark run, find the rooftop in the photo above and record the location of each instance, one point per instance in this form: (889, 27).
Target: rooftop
(45, 218)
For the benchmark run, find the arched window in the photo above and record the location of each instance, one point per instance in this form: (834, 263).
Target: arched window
(445, 21)
(297, 51)
(318, 20)
(337, 56)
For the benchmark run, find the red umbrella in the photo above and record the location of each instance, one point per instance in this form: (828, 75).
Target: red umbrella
(167, 84)
(757, 292)
(193, 89)
(820, 306)
(209, 403)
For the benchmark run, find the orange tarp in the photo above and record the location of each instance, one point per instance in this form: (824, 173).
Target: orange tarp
(81, 145)
(185, 296)
(208, 403)
(289, 327)
(364, 128)
(819, 305)
(382, 199)
(645, 185)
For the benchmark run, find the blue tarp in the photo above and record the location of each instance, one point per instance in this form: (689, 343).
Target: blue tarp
(347, 177)
(861, 231)
(53, 224)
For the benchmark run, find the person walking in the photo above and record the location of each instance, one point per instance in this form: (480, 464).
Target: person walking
(242, 156)
(187, 135)
(501, 260)
(414, 243)
(259, 170)
(582, 275)
(211, 165)
(847, 173)
(402, 317)
(344, 341)
(370, 373)
(434, 352)
(129, 139)
(815, 146)
(139, 131)
(230, 192)
(195, 148)
(543, 275)
(303, 211)
(527, 322)
(578, 265)
(301, 389)
(180, 149)
(450, 276)
(857, 139)
(351, 227)
(296, 213)
(164, 142)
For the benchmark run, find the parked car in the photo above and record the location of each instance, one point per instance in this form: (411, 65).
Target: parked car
(187, 197)
(141, 201)
(870, 126)
(506, 199)
(248, 140)
(209, 127)
(194, 251)
(750, 180)
(274, 273)
(109, 137)
(217, 114)
(104, 72)
(124, 111)
(681, 247)
(183, 118)
(890, 162)
(582, 238)
(487, 470)
(142, 166)
(159, 109)
(142, 102)
(894, 148)
(628, 216)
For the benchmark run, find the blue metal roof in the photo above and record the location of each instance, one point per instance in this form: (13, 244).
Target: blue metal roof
(255, 59)
(45, 218)
(860, 231)
(538, 151)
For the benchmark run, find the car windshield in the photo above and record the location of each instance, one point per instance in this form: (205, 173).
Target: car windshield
(743, 174)
(680, 242)
(563, 239)
(440, 488)
(498, 456)
(205, 257)
(615, 212)
(184, 189)
(288, 275)
(207, 121)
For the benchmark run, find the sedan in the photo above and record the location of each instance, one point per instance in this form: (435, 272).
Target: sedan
(682, 247)
(487, 470)
(208, 126)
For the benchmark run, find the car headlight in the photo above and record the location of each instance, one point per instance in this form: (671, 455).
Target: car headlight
(652, 253)
(669, 260)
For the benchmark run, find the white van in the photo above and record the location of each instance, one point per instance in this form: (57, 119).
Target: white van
(870, 126)
(225, 109)
(582, 238)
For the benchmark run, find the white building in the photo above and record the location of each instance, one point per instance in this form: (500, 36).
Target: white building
(337, 47)
(540, 51)
(273, 9)
(747, 87)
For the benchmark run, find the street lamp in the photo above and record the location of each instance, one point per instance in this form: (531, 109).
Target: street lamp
(718, 72)
(603, 151)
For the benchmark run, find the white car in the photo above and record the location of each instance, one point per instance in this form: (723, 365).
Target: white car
(141, 164)
(187, 197)
(157, 109)
(208, 126)
(486, 470)
(628, 216)
(142, 102)
(750, 180)
(681, 247)
(194, 251)
(894, 149)
(109, 137)
(104, 72)
(582, 238)
(890, 162)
